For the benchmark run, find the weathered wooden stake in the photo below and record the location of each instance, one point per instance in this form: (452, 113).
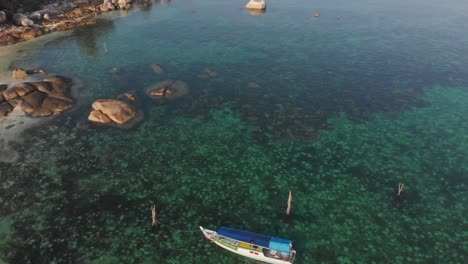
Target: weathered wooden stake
(400, 188)
(153, 214)
(105, 47)
(288, 210)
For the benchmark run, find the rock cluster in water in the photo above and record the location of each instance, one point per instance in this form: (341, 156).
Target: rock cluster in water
(121, 112)
(19, 26)
(51, 96)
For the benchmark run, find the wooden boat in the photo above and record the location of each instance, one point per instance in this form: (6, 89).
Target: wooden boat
(255, 246)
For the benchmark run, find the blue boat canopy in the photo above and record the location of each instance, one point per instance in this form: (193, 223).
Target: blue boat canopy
(274, 243)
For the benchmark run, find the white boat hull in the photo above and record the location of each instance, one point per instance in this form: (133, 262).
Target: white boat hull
(211, 235)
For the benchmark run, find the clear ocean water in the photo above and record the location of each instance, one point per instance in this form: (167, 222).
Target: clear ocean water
(338, 109)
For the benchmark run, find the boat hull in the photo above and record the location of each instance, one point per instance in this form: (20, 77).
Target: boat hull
(255, 255)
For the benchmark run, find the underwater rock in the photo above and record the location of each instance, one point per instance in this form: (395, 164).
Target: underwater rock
(253, 85)
(256, 4)
(207, 73)
(157, 68)
(316, 14)
(168, 89)
(211, 73)
(119, 112)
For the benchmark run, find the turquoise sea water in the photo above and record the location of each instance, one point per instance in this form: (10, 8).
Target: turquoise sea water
(343, 108)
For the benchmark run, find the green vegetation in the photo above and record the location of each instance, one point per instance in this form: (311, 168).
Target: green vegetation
(86, 195)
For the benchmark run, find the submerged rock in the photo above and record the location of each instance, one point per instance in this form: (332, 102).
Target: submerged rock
(256, 4)
(120, 112)
(168, 89)
(157, 68)
(253, 85)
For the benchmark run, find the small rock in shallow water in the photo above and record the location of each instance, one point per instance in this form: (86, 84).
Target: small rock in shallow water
(19, 73)
(256, 4)
(316, 14)
(168, 89)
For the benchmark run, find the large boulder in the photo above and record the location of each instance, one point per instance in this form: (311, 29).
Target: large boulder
(33, 103)
(22, 20)
(35, 16)
(56, 106)
(5, 108)
(124, 4)
(98, 116)
(55, 87)
(256, 4)
(3, 17)
(17, 91)
(121, 112)
(117, 111)
(44, 98)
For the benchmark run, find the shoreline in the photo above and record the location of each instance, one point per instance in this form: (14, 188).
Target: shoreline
(63, 17)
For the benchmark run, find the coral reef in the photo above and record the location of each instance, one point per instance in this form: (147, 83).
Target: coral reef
(82, 195)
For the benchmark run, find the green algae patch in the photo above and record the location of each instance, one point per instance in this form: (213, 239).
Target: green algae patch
(85, 196)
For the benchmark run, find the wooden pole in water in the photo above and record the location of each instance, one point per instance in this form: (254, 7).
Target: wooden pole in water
(400, 188)
(288, 210)
(153, 214)
(105, 47)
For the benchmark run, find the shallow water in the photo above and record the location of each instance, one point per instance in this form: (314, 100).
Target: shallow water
(342, 108)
